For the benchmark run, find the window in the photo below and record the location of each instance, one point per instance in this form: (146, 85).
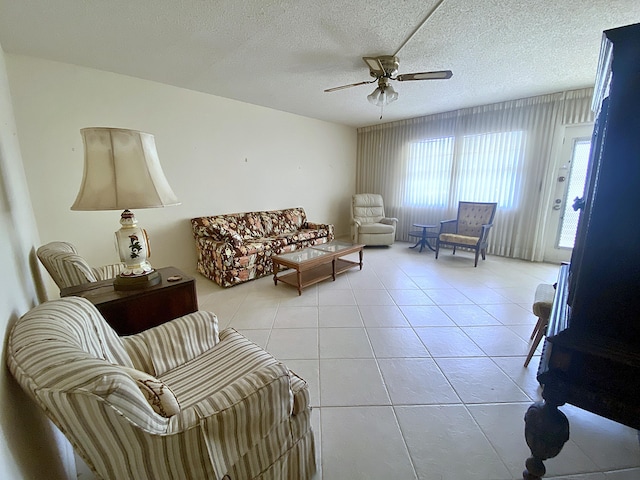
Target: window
(487, 168)
(429, 172)
(575, 188)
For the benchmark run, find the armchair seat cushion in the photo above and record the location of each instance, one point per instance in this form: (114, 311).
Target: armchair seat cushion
(234, 357)
(376, 228)
(459, 239)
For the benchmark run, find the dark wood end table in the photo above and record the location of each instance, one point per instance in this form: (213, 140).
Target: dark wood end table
(132, 311)
(424, 236)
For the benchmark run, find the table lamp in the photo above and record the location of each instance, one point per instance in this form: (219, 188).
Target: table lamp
(122, 171)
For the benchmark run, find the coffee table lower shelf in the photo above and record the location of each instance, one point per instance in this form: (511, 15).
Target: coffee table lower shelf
(313, 265)
(315, 275)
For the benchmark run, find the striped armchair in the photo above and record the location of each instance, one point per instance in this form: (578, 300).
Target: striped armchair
(68, 269)
(178, 401)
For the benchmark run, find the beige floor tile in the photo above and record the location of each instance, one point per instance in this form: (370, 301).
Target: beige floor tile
(336, 297)
(447, 296)
(497, 340)
(512, 314)
(344, 343)
(469, 315)
(296, 317)
(416, 381)
(483, 295)
(363, 443)
(382, 316)
(396, 342)
(253, 317)
(445, 443)
(627, 474)
(479, 380)
(293, 343)
(410, 297)
(339, 316)
(351, 382)
(525, 378)
(448, 342)
(617, 446)
(364, 280)
(426, 316)
(373, 297)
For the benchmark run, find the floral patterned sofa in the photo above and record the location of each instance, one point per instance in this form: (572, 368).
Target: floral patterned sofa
(237, 247)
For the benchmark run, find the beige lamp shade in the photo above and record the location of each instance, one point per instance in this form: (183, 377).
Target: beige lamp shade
(121, 171)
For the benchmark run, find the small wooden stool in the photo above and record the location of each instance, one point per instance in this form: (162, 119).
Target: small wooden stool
(542, 302)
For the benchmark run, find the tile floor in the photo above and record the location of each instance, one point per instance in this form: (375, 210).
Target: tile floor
(415, 368)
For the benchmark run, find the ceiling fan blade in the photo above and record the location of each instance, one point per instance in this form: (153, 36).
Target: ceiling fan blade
(349, 86)
(439, 75)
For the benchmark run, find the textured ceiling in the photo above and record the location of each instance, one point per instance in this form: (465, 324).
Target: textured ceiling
(282, 54)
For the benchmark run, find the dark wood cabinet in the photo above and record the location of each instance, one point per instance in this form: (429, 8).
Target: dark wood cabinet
(591, 355)
(132, 311)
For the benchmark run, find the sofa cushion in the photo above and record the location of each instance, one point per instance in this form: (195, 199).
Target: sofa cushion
(277, 222)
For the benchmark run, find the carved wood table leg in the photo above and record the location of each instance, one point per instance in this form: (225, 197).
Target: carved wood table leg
(546, 428)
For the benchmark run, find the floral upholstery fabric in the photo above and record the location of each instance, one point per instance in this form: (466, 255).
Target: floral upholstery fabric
(237, 247)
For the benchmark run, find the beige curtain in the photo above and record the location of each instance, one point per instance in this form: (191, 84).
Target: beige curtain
(519, 132)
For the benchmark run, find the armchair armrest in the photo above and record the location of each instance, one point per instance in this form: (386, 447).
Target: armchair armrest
(449, 226)
(389, 221)
(485, 232)
(173, 343)
(254, 405)
(106, 272)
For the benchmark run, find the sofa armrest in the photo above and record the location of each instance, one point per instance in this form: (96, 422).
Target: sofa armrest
(216, 228)
(236, 418)
(161, 348)
(321, 226)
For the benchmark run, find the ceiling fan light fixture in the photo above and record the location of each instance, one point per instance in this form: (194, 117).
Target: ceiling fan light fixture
(383, 96)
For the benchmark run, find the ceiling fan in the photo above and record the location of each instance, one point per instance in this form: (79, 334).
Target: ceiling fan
(385, 68)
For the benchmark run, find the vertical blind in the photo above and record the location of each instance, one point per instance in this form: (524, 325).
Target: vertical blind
(493, 153)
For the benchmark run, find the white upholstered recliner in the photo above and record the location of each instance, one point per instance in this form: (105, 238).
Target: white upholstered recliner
(369, 226)
(177, 401)
(68, 269)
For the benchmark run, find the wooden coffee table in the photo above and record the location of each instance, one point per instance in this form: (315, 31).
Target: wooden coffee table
(315, 264)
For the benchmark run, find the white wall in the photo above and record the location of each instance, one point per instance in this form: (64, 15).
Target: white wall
(30, 447)
(219, 155)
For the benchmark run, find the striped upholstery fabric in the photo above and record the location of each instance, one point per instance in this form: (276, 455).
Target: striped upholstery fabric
(68, 269)
(243, 414)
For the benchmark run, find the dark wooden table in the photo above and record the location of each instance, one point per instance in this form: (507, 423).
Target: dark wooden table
(424, 236)
(132, 311)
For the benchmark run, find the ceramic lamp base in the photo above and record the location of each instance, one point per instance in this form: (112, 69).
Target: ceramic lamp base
(137, 282)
